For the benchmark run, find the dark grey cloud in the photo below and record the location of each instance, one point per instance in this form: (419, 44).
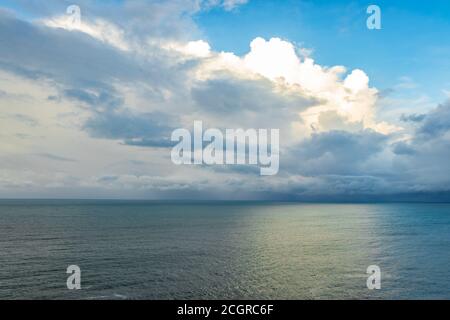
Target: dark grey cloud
(55, 157)
(25, 119)
(162, 142)
(423, 163)
(437, 122)
(108, 179)
(412, 117)
(149, 129)
(402, 148)
(334, 153)
(349, 184)
(248, 103)
(104, 98)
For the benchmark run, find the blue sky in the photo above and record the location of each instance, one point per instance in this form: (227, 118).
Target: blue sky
(412, 41)
(87, 110)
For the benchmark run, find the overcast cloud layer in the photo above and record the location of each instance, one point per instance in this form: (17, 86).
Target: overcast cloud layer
(88, 112)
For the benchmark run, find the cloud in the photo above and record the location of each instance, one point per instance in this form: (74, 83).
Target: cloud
(149, 129)
(55, 157)
(412, 117)
(423, 159)
(335, 153)
(402, 148)
(231, 4)
(228, 101)
(99, 29)
(25, 119)
(109, 94)
(351, 97)
(437, 122)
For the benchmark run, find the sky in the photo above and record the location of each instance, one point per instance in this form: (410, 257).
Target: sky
(87, 109)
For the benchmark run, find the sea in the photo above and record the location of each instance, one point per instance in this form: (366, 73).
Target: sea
(223, 250)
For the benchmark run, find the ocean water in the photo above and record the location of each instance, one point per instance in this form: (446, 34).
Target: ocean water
(157, 250)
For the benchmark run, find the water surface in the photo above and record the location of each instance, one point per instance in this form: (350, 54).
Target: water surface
(156, 250)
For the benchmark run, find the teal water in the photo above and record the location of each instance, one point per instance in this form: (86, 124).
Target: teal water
(151, 250)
